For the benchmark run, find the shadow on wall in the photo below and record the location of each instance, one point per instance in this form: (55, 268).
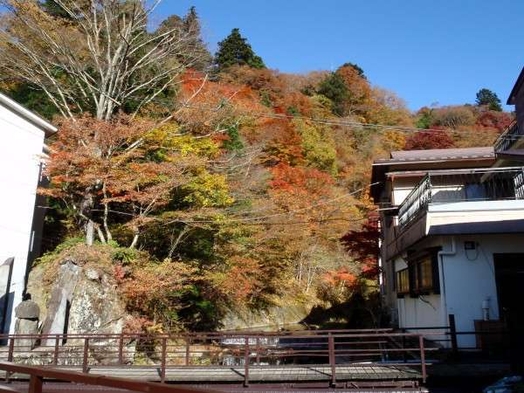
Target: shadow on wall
(6, 297)
(6, 309)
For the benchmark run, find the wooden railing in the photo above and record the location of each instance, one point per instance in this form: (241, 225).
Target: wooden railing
(245, 351)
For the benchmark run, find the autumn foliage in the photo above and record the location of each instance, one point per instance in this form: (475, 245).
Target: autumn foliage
(235, 189)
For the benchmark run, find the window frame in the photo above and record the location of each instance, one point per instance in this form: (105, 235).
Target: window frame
(402, 282)
(422, 272)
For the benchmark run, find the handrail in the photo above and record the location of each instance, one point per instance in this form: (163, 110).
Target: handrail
(253, 333)
(508, 137)
(505, 183)
(38, 374)
(165, 352)
(417, 200)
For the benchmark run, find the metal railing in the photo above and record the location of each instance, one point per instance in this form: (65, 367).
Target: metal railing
(492, 342)
(243, 351)
(505, 141)
(416, 202)
(483, 184)
(37, 375)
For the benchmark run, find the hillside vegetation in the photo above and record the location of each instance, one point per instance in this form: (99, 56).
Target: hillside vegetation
(211, 183)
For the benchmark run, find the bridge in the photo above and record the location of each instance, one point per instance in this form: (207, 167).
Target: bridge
(353, 359)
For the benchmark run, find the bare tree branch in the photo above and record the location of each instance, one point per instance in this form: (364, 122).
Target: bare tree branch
(98, 58)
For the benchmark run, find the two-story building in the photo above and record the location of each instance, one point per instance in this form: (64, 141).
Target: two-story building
(21, 153)
(452, 227)
(452, 241)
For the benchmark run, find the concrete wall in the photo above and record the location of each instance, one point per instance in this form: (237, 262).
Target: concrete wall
(421, 311)
(467, 278)
(21, 145)
(474, 211)
(470, 278)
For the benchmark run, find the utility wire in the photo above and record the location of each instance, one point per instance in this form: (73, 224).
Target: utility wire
(291, 212)
(257, 219)
(339, 122)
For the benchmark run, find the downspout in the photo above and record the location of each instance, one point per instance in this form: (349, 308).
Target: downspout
(442, 280)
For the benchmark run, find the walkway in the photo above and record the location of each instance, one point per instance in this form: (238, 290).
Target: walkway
(330, 358)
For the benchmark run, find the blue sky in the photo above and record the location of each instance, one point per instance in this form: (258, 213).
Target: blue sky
(427, 51)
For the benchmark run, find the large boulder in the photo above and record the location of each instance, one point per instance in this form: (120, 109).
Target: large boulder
(81, 297)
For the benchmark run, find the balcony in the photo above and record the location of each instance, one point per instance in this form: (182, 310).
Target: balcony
(461, 201)
(510, 144)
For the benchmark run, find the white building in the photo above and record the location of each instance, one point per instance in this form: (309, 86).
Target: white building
(452, 240)
(22, 136)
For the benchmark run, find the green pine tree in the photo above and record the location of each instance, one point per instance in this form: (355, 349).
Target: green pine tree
(486, 97)
(334, 88)
(52, 8)
(235, 50)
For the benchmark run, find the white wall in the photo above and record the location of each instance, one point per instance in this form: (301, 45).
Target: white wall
(21, 145)
(474, 211)
(402, 186)
(467, 278)
(470, 279)
(422, 311)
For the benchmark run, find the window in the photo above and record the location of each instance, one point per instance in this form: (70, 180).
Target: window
(403, 282)
(422, 276)
(475, 192)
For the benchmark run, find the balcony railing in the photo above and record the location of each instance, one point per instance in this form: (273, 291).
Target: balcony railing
(460, 186)
(506, 140)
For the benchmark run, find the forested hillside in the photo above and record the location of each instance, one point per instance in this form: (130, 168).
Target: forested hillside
(210, 182)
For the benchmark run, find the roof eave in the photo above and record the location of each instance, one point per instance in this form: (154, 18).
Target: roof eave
(25, 113)
(516, 88)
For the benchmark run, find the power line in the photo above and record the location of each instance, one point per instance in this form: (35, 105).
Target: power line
(339, 122)
(257, 219)
(291, 212)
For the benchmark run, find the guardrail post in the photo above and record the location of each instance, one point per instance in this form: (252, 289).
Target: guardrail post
(163, 364)
(258, 351)
(35, 384)
(11, 350)
(55, 353)
(246, 362)
(121, 349)
(86, 353)
(422, 358)
(187, 350)
(453, 333)
(332, 359)
(404, 353)
(10, 356)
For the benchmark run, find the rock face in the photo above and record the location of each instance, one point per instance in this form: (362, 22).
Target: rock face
(59, 304)
(82, 299)
(95, 305)
(275, 318)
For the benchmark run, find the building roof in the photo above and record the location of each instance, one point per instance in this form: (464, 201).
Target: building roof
(441, 154)
(25, 113)
(516, 88)
(422, 161)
